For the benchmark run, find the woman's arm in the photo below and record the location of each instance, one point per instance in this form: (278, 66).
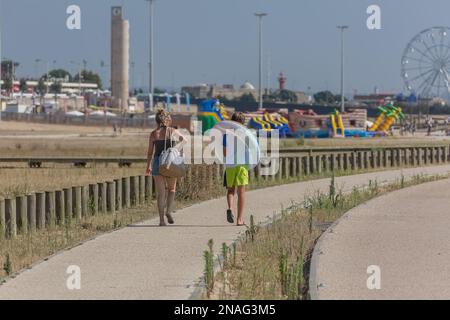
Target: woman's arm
(177, 134)
(148, 170)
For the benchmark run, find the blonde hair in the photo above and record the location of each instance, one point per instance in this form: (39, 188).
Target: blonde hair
(163, 117)
(238, 117)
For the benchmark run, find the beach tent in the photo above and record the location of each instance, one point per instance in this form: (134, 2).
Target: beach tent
(102, 113)
(75, 113)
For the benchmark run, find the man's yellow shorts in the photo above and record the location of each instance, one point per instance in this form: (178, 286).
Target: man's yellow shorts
(236, 176)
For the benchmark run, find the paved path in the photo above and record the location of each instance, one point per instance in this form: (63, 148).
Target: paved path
(405, 233)
(149, 262)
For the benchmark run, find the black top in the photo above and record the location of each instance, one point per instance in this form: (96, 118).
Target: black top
(159, 146)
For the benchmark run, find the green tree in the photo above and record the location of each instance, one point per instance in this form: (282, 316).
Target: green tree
(222, 99)
(287, 96)
(8, 84)
(59, 74)
(325, 97)
(56, 87)
(41, 87)
(23, 85)
(9, 68)
(159, 91)
(337, 98)
(88, 76)
(247, 97)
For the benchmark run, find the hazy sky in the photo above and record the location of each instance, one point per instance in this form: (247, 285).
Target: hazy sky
(215, 41)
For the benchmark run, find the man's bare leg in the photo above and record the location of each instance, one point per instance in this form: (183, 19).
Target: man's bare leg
(241, 204)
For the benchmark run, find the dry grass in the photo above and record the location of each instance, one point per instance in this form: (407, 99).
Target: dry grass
(272, 261)
(103, 146)
(30, 139)
(20, 181)
(18, 127)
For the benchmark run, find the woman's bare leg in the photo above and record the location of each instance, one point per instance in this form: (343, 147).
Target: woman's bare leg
(171, 190)
(160, 197)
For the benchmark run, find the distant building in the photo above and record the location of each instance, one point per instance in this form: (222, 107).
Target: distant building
(120, 46)
(66, 87)
(205, 91)
(229, 92)
(374, 100)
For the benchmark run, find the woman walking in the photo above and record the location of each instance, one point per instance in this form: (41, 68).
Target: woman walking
(161, 138)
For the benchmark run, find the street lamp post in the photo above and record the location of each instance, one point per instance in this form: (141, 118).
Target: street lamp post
(342, 28)
(260, 17)
(151, 85)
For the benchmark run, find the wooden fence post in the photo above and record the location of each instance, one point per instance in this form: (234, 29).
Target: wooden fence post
(149, 187)
(118, 183)
(126, 192)
(22, 216)
(103, 197)
(142, 189)
(40, 210)
(77, 202)
(134, 191)
(306, 165)
(85, 201)
(10, 217)
(69, 205)
(60, 207)
(31, 212)
(2, 219)
(111, 197)
(93, 195)
(354, 161)
(50, 203)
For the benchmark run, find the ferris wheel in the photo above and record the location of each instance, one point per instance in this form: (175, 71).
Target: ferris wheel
(426, 63)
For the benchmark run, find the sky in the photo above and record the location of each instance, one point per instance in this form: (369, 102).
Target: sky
(216, 41)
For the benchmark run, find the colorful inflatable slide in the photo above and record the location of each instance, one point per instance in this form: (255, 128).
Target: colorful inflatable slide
(337, 125)
(269, 122)
(389, 114)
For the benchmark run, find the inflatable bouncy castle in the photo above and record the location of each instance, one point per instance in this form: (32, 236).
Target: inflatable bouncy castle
(270, 121)
(210, 113)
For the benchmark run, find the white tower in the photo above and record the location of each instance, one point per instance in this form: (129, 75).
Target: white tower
(120, 47)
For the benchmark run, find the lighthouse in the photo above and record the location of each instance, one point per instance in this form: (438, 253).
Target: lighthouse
(282, 81)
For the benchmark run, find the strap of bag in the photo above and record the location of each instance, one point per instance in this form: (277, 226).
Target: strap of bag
(168, 130)
(165, 139)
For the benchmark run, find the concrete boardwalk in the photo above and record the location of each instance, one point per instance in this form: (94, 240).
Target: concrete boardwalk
(405, 233)
(149, 262)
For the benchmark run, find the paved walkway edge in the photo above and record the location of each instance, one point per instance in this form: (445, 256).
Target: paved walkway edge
(317, 251)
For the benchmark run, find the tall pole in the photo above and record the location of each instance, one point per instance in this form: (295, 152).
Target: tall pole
(342, 28)
(47, 76)
(269, 71)
(260, 98)
(1, 73)
(151, 85)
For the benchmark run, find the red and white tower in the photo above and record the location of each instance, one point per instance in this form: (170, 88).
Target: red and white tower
(282, 80)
